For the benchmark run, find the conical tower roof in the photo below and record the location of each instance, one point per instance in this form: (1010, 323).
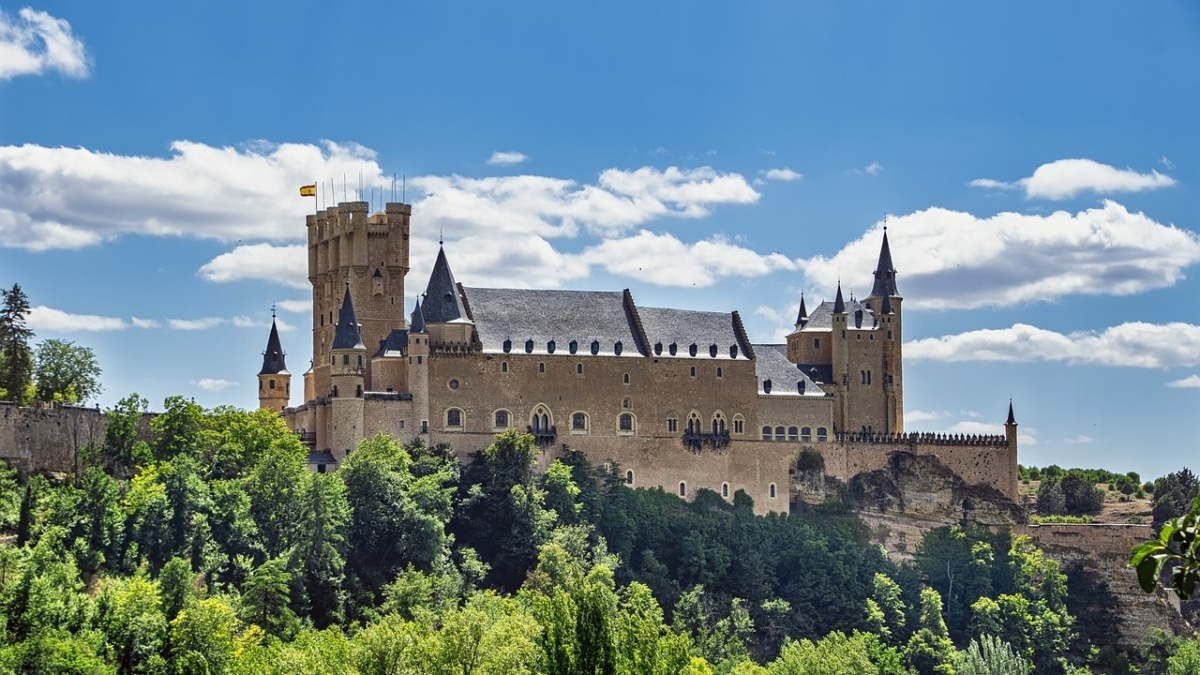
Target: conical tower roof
(885, 272)
(273, 358)
(839, 304)
(443, 304)
(1012, 419)
(802, 315)
(417, 323)
(348, 334)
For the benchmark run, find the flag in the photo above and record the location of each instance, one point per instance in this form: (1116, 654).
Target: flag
(308, 190)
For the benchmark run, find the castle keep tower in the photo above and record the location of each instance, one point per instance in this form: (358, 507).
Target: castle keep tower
(367, 255)
(885, 301)
(274, 380)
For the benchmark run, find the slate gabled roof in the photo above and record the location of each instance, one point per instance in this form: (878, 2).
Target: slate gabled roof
(273, 363)
(822, 317)
(771, 363)
(395, 344)
(522, 314)
(348, 334)
(442, 302)
(685, 327)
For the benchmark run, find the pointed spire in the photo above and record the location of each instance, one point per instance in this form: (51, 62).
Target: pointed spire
(416, 324)
(348, 334)
(839, 305)
(1012, 420)
(885, 273)
(273, 358)
(442, 301)
(802, 317)
(887, 305)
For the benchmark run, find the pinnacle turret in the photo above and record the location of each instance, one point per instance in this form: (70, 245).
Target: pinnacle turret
(442, 301)
(417, 323)
(839, 305)
(802, 316)
(273, 363)
(1012, 420)
(885, 272)
(348, 334)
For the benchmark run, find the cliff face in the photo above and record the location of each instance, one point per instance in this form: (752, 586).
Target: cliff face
(914, 494)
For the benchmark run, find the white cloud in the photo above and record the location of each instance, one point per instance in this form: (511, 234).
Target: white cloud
(286, 265)
(1067, 178)
(34, 42)
(144, 323)
(918, 416)
(296, 306)
(1189, 382)
(951, 259)
(665, 260)
(507, 158)
(1136, 344)
(195, 324)
(873, 168)
(75, 197)
(54, 320)
(785, 174)
(1078, 439)
(213, 384)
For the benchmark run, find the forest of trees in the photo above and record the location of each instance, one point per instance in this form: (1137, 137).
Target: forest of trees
(204, 545)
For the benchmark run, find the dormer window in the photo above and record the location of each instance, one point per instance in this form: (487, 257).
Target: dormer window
(657, 348)
(692, 349)
(595, 347)
(507, 345)
(712, 350)
(673, 348)
(573, 346)
(529, 346)
(550, 347)
(618, 347)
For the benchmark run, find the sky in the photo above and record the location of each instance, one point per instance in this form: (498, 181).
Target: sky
(1036, 164)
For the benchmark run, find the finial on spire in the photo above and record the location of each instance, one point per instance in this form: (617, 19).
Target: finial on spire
(272, 311)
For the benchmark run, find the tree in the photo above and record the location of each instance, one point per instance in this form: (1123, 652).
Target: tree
(989, 655)
(16, 357)
(265, 601)
(1185, 661)
(1173, 493)
(64, 371)
(1177, 548)
(930, 650)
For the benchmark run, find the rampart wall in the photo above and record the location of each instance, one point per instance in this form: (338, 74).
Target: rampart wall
(46, 439)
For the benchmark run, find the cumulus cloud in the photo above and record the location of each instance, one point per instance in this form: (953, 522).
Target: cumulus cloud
(34, 42)
(296, 306)
(1078, 439)
(1136, 344)
(75, 197)
(507, 158)
(144, 323)
(195, 324)
(214, 384)
(784, 174)
(208, 322)
(665, 260)
(286, 265)
(873, 168)
(55, 320)
(951, 259)
(1189, 382)
(1067, 178)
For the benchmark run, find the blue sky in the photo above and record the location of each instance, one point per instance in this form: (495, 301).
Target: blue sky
(1037, 166)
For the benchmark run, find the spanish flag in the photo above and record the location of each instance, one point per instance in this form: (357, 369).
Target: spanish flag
(308, 190)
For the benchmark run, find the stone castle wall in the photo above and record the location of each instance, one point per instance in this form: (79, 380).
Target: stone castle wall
(45, 439)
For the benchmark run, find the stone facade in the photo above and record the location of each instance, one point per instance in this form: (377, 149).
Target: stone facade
(47, 439)
(674, 398)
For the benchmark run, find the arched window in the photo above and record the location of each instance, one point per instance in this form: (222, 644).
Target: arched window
(739, 425)
(672, 424)
(454, 418)
(766, 433)
(806, 434)
(771, 491)
(822, 434)
(720, 372)
(578, 368)
(629, 477)
(694, 425)
(718, 423)
(682, 489)
(500, 419)
(692, 371)
(779, 435)
(541, 366)
(504, 366)
(625, 378)
(725, 490)
(626, 424)
(793, 434)
(579, 423)
(540, 422)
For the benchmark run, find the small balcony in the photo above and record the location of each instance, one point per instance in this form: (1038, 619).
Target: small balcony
(695, 440)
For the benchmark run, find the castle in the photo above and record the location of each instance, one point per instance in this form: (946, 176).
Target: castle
(677, 399)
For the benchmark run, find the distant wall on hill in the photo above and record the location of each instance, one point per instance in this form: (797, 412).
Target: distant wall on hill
(47, 438)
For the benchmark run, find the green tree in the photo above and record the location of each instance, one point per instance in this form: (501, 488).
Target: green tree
(1177, 549)
(930, 650)
(55, 652)
(265, 601)
(16, 356)
(1173, 494)
(835, 654)
(129, 612)
(990, 655)
(123, 445)
(205, 636)
(1185, 661)
(10, 497)
(276, 487)
(319, 554)
(65, 371)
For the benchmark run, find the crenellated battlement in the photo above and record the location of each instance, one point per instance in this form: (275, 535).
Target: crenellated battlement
(915, 439)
